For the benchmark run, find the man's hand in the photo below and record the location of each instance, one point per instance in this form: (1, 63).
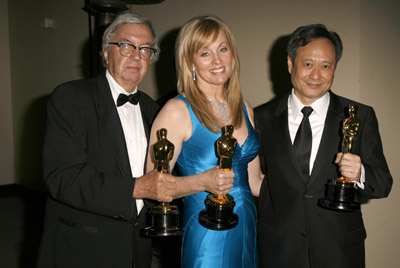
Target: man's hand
(349, 166)
(155, 185)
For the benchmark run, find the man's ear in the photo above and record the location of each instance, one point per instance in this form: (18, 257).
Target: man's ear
(105, 53)
(290, 64)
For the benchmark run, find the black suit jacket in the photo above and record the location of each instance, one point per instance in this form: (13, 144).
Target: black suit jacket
(291, 224)
(91, 218)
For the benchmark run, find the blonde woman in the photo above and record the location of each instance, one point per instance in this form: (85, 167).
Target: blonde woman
(210, 98)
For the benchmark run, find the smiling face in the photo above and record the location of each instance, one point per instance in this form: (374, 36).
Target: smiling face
(128, 72)
(313, 70)
(213, 65)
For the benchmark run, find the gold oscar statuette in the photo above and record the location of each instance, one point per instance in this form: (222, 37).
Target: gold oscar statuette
(218, 214)
(164, 218)
(341, 192)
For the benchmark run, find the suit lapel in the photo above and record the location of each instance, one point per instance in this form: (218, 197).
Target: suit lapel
(330, 141)
(145, 117)
(147, 120)
(282, 128)
(109, 117)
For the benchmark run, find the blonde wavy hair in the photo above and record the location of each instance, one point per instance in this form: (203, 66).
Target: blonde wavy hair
(197, 33)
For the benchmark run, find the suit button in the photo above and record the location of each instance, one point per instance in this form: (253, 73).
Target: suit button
(308, 196)
(304, 234)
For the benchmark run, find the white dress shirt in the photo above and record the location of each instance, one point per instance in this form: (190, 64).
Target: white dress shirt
(317, 122)
(135, 136)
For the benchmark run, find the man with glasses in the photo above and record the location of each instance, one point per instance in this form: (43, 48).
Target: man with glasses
(94, 154)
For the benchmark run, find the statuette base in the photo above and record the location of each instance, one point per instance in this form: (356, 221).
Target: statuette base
(218, 216)
(340, 195)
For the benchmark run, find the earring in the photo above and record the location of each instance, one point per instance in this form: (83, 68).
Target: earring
(194, 75)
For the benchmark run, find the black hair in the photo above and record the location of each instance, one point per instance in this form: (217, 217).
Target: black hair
(305, 34)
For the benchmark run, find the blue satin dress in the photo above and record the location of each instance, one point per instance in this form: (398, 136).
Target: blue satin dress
(202, 247)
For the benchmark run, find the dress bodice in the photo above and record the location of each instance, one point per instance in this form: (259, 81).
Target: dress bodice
(202, 247)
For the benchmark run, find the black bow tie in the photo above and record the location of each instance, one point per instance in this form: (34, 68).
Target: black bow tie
(132, 98)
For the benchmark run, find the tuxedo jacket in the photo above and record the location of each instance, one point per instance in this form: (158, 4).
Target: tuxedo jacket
(291, 225)
(91, 217)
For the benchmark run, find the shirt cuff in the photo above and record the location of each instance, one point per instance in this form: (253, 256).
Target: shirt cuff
(361, 183)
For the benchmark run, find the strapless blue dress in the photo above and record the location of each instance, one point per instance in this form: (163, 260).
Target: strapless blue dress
(202, 247)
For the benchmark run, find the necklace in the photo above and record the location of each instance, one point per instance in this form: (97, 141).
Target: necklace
(222, 109)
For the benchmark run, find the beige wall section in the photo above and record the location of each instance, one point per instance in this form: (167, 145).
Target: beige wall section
(6, 129)
(379, 70)
(41, 59)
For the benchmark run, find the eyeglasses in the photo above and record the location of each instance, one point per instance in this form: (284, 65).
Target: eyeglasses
(127, 49)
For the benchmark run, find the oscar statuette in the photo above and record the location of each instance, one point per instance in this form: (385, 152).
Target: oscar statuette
(218, 214)
(164, 218)
(340, 192)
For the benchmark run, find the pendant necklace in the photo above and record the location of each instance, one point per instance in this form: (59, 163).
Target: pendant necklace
(222, 109)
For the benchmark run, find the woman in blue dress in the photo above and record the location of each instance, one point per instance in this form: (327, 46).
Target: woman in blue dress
(209, 98)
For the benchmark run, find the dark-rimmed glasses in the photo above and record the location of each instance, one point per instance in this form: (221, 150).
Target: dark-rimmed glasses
(127, 49)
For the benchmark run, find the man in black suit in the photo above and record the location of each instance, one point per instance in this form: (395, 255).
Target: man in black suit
(94, 156)
(294, 231)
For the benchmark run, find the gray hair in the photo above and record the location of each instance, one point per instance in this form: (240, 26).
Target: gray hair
(128, 18)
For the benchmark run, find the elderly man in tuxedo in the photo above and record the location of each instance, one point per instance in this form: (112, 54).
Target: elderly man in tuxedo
(94, 153)
(293, 230)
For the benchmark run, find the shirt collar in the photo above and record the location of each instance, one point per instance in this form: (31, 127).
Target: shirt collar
(320, 106)
(116, 89)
